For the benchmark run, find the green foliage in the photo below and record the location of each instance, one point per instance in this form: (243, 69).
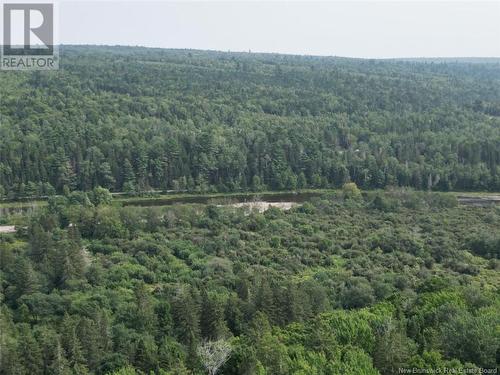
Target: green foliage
(335, 286)
(142, 119)
(351, 191)
(100, 196)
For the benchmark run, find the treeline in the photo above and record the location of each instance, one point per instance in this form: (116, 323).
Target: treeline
(132, 119)
(345, 284)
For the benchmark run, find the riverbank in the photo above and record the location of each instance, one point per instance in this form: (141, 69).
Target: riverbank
(160, 198)
(7, 229)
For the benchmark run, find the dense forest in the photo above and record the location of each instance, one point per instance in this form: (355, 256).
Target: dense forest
(347, 284)
(136, 119)
(380, 271)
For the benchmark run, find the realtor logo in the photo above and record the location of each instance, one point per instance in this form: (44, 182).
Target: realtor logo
(28, 36)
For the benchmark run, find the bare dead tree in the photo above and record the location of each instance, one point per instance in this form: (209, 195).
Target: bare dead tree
(214, 354)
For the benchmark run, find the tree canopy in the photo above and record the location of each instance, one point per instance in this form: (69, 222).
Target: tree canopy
(135, 119)
(335, 286)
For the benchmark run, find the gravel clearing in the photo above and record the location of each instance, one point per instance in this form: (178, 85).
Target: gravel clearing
(7, 229)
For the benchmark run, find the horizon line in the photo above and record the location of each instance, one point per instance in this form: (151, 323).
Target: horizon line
(273, 53)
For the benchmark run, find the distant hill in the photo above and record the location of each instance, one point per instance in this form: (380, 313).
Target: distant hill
(135, 119)
(450, 60)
